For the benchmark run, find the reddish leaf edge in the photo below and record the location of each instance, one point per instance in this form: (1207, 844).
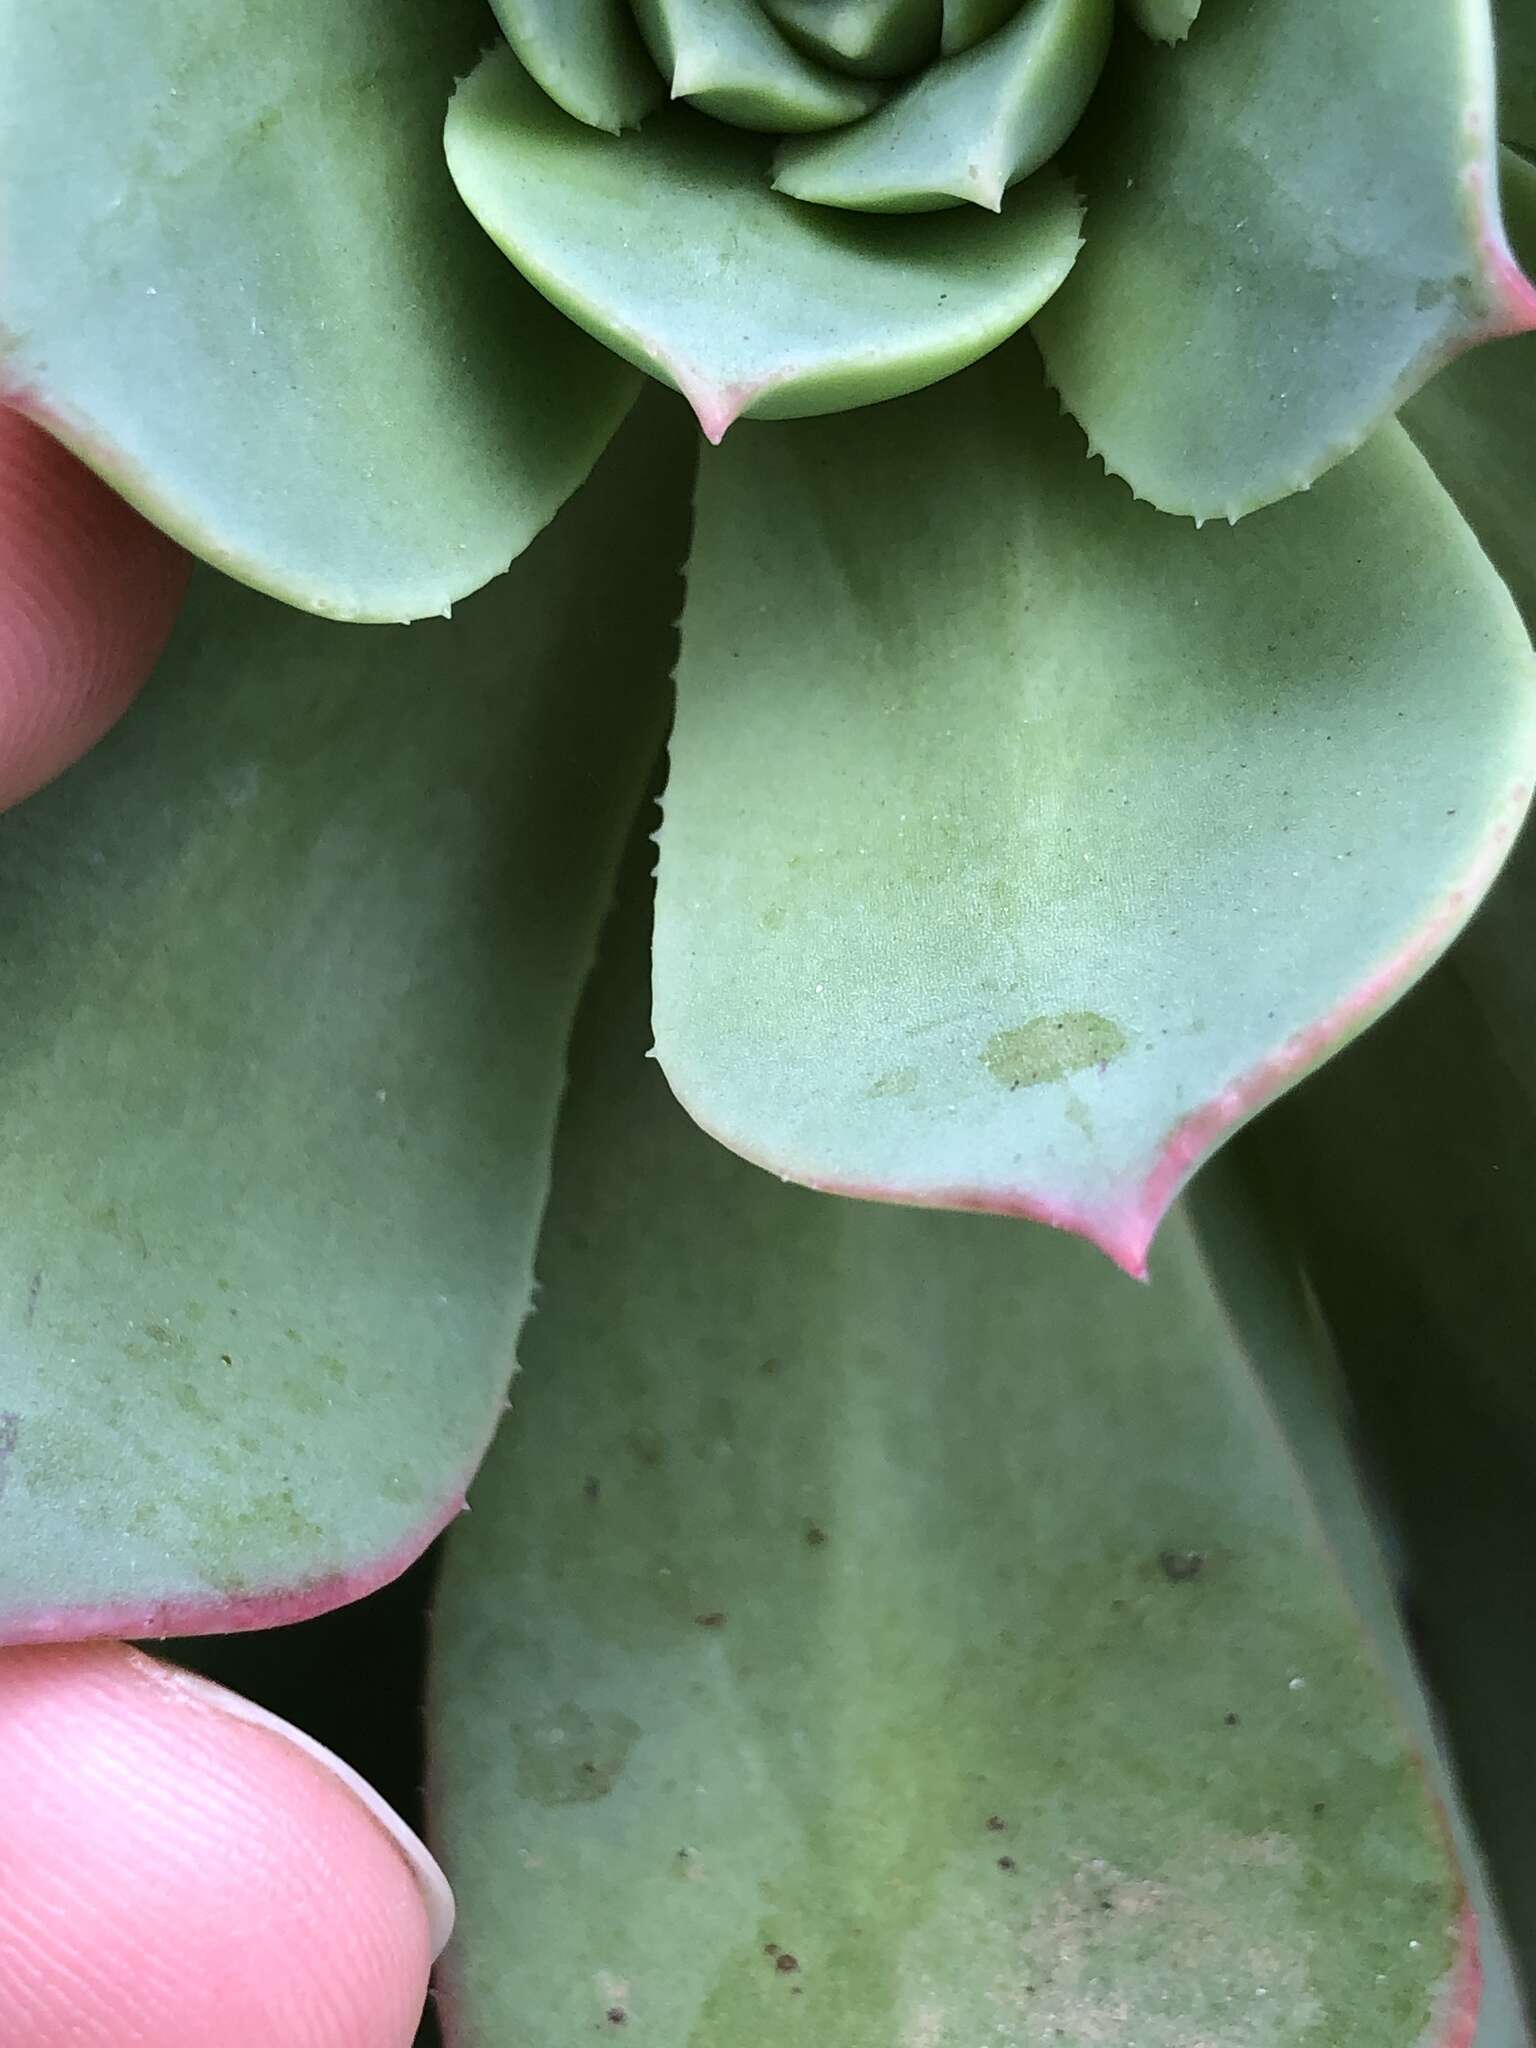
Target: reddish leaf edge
(1461, 1993)
(1124, 1224)
(202, 1614)
(1514, 295)
(138, 485)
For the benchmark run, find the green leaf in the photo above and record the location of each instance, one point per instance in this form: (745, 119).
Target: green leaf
(1021, 842)
(239, 284)
(882, 1628)
(728, 60)
(290, 965)
(1293, 226)
(967, 21)
(1408, 1171)
(967, 128)
(1330, 1413)
(1476, 422)
(588, 56)
(870, 38)
(1515, 41)
(1166, 21)
(671, 247)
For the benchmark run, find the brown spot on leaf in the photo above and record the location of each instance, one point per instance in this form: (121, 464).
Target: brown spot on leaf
(996, 1823)
(1050, 1048)
(10, 1431)
(715, 1620)
(1179, 1565)
(785, 1962)
(591, 1487)
(815, 1536)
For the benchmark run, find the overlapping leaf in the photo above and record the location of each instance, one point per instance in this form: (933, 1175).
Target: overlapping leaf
(238, 281)
(1293, 224)
(289, 969)
(1408, 1172)
(671, 246)
(1020, 841)
(880, 1628)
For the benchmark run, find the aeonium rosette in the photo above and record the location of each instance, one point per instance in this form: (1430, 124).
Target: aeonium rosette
(1020, 840)
(793, 207)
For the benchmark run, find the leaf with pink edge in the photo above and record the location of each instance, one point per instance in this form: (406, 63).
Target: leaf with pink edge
(289, 970)
(1293, 222)
(1476, 421)
(1409, 1170)
(897, 1629)
(238, 282)
(671, 246)
(1020, 842)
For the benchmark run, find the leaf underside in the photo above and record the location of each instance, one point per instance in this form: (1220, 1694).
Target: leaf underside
(290, 963)
(1020, 842)
(894, 1628)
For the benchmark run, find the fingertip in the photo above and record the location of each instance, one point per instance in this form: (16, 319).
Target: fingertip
(89, 591)
(197, 1870)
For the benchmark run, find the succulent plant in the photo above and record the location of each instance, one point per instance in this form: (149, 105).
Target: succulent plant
(1103, 687)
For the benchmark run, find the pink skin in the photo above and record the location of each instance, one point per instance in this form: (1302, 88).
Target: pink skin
(88, 594)
(175, 1875)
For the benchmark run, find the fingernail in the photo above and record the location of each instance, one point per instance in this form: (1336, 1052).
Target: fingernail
(436, 1892)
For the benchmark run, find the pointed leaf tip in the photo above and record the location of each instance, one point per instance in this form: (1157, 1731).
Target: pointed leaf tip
(286, 1026)
(991, 881)
(672, 247)
(1294, 216)
(735, 1644)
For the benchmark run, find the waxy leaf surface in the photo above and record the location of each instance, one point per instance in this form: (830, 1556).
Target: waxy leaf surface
(1408, 1170)
(869, 38)
(289, 967)
(967, 128)
(1021, 841)
(588, 56)
(238, 281)
(1294, 223)
(881, 1628)
(728, 59)
(1476, 422)
(672, 247)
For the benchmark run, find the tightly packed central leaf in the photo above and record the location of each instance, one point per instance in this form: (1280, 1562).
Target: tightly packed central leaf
(846, 200)
(903, 106)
